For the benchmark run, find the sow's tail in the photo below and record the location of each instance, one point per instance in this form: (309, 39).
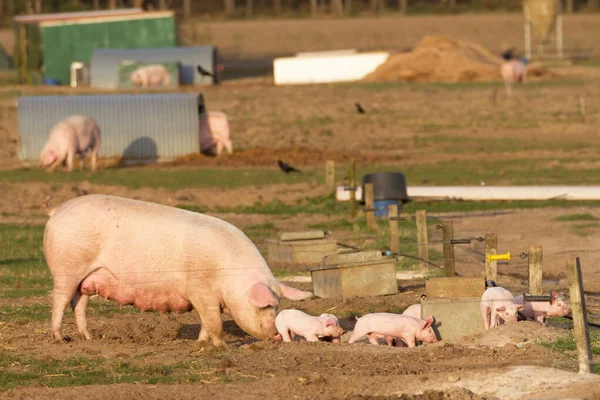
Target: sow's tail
(293, 294)
(46, 206)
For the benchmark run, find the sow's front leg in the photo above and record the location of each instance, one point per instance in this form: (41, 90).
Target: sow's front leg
(209, 311)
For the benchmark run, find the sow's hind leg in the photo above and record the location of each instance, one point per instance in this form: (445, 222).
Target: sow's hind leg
(64, 290)
(79, 304)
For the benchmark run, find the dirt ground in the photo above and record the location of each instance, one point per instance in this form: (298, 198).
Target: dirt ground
(306, 126)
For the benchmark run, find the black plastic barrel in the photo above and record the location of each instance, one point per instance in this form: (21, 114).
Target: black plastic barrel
(388, 188)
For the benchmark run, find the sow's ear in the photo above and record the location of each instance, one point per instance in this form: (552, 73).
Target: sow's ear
(261, 296)
(293, 294)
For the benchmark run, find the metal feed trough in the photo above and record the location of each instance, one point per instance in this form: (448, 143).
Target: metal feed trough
(308, 247)
(359, 274)
(134, 127)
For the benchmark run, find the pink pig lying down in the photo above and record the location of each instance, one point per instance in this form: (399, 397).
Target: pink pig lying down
(72, 136)
(150, 75)
(539, 310)
(214, 132)
(498, 303)
(393, 326)
(158, 258)
(295, 322)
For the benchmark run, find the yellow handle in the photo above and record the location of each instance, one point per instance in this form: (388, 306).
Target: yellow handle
(498, 257)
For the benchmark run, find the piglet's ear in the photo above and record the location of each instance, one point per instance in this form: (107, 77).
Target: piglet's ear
(261, 296)
(330, 322)
(428, 322)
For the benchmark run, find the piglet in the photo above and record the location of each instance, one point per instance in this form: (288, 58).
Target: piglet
(150, 75)
(513, 71)
(539, 310)
(391, 326)
(294, 322)
(214, 132)
(413, 311)
(72, 136)
(337, 322)
(498, 302)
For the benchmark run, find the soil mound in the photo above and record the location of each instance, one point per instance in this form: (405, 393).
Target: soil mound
(522, 332)
(443, 59)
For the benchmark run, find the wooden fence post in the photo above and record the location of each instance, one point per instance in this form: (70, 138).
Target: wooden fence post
(394, 232)
(447, 235)
(536, 261)
(421, 219)
(491, 248)
(352, 190)
(578, 311)
(370, 205)
(330, 175)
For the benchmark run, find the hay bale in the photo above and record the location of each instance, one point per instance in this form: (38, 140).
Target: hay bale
(440, 59)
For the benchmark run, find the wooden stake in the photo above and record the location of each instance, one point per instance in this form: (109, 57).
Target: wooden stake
(330, 175)
(370, 204)
(394, 232)
(536, 260)
(447, 235)
(582, 109)
(421, 218)
(578, 311)
(352, 190)
(491, 248)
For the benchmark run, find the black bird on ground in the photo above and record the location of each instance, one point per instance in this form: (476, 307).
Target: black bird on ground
(359, 108)
(204, 72)
(508, 54)
(286, 168)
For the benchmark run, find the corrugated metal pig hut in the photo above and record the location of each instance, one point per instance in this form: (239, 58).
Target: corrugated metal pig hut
(47, 44)
(140, 128)
(105, 64)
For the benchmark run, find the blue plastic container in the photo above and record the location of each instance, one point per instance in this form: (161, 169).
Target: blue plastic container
(51, 81)
(382, 207)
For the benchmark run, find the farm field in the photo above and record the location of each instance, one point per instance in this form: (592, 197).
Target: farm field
(437, 134)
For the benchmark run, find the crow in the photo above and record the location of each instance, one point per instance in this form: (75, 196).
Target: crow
(508, 54)
(359, 108)
(204, 72)
(286, 168)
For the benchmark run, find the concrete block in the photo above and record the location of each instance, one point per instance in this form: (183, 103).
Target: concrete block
(353, 257)
(355, 279)
(453, 317)
(300, 251)
(455, 287)
(305, 235)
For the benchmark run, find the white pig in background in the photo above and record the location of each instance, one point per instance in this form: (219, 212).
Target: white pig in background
(513, 71)
(72, 136)
(214, 132)
(151, 75)
(391, 326)
(294, 322)
(539, 310)
(158, 258)
(497, 302)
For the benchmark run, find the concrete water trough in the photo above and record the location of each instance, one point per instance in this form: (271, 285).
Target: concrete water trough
(454, 304)
(360, 274)
(308, 247)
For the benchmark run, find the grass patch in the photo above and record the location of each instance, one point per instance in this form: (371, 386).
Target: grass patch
(78, 371)
(584, 230)
(575, 217)
(23, 271)
(310, 205)
(567, 343)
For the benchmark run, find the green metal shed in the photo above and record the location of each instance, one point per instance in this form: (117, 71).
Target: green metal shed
(47, 44)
